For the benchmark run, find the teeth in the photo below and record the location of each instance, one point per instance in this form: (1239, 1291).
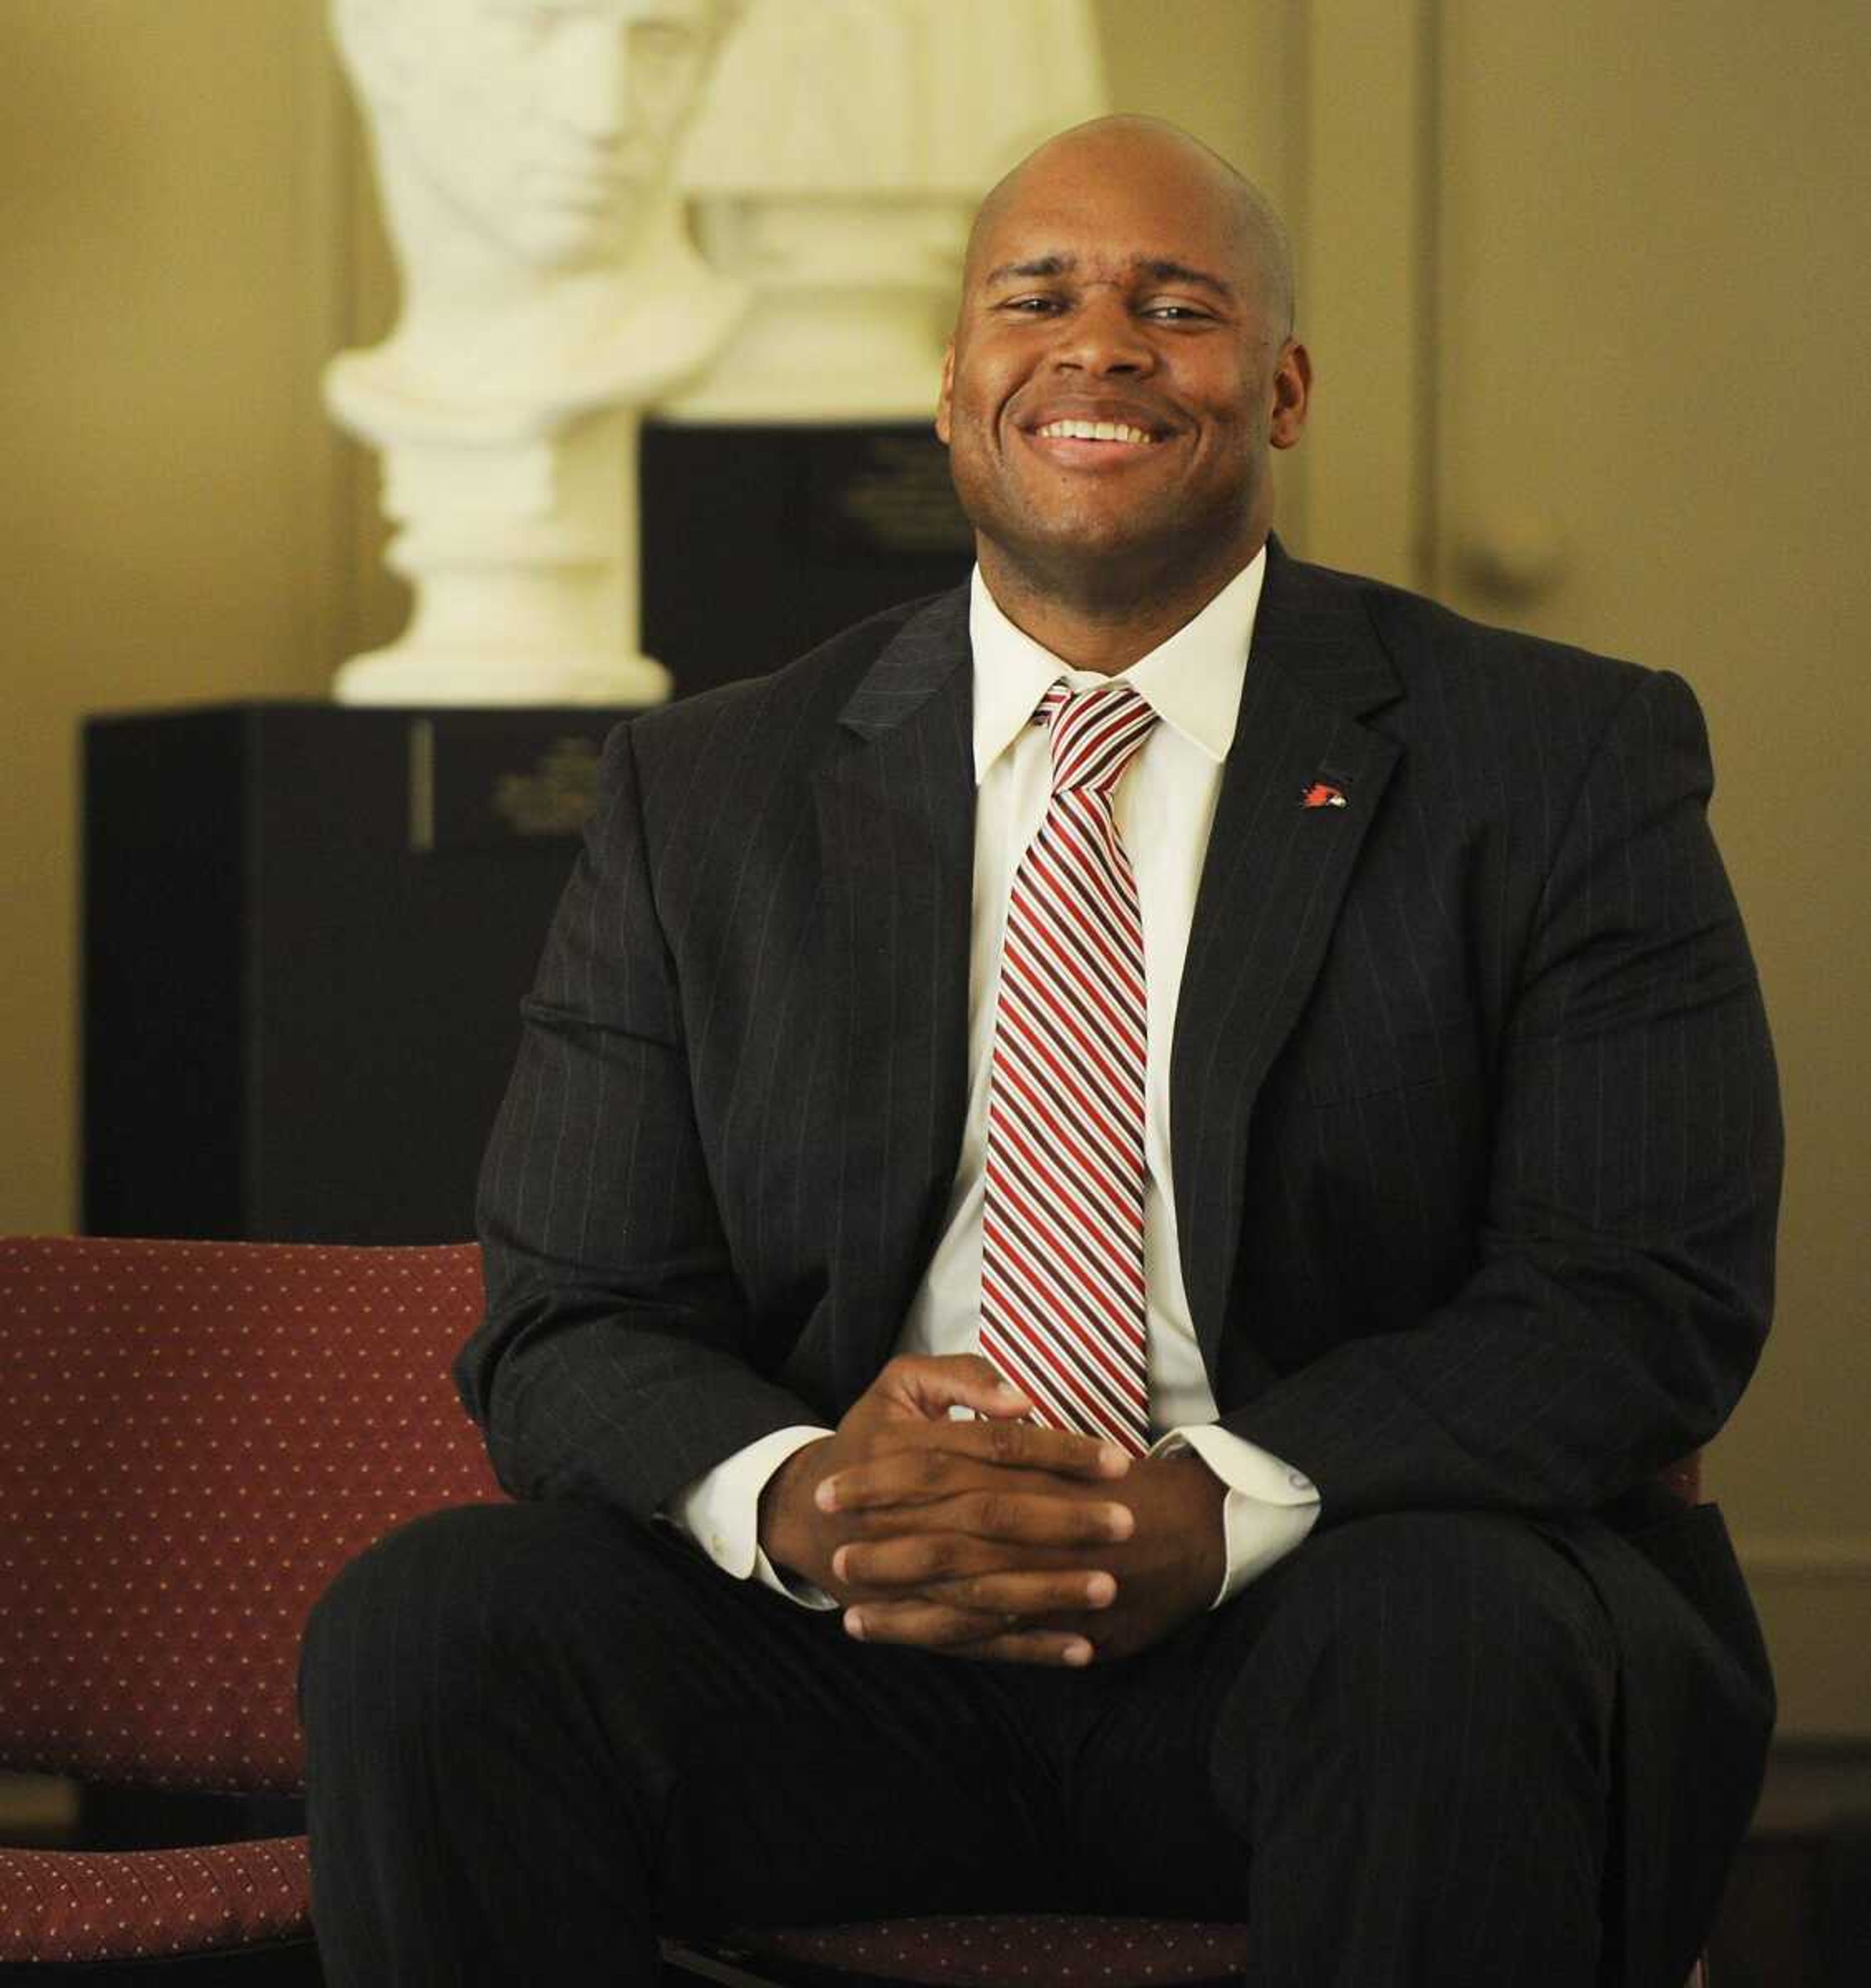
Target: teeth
(1095, 432)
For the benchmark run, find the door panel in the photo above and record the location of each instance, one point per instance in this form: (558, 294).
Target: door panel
(1649, 435)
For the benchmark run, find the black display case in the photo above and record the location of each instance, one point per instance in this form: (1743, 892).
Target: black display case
(307, 930)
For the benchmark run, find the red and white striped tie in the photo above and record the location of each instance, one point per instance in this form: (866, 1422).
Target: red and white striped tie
(1062, 1292)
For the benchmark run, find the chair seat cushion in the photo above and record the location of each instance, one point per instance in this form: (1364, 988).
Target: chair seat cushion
(96, 1905)
(1034, 1950)
(1003, 1950)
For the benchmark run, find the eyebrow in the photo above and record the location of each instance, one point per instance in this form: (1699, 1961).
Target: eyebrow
(1159, 268)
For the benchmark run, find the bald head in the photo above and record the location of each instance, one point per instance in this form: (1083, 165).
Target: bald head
(1116, 146)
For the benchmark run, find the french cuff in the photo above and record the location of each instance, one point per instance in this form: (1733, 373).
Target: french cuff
(1269, 1507)
(720, 1511)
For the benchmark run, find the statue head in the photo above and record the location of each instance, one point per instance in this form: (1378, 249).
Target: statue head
(535, 134)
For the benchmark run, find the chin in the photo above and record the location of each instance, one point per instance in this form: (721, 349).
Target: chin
(1121, 539)
(565, 243)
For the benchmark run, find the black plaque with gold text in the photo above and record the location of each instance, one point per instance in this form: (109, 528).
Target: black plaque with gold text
(760, 542)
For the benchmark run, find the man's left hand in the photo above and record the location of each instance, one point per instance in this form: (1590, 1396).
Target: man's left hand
(1167, 1571)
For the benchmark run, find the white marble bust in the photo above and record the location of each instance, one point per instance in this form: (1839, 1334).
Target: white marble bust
(524, 151)
(835, 167)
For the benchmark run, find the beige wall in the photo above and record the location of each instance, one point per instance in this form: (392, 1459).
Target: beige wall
(187, 234)
(1652, 356)
(167, 525)
(1594, 281)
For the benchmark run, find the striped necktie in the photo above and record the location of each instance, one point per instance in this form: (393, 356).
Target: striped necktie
(1062, 1290)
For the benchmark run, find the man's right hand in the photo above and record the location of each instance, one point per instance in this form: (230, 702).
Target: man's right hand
(1000, 1507)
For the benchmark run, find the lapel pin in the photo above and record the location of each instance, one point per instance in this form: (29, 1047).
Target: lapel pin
(1321, 795)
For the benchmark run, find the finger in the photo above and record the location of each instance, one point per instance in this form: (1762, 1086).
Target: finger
(1027, 1594)
(970, 1573)
(1017, 1519)
(1032, 1647)
(1029, 1445)
(965, 1633)
(929, 1384)
(924, 1561)
(949, 1457)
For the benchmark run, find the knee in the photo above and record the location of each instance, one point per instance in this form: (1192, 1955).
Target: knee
(441, 1609)
(1444, 1622)
(383, 1610)
(1426, 1695)
(1470, 1587)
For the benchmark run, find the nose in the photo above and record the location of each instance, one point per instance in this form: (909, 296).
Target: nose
(1102, 337)
(588, 83)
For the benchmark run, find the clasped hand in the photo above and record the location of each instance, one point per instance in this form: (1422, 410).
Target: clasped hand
(993, 1538)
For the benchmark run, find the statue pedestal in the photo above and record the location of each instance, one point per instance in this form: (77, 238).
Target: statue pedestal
(306, 931)
(521, 550)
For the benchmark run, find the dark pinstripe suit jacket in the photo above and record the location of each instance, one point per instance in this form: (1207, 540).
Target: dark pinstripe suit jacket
(1476, 1142)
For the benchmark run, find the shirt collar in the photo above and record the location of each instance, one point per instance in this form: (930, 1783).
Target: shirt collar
(1192, 681)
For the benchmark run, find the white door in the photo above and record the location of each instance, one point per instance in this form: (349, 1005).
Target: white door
(1611, 275)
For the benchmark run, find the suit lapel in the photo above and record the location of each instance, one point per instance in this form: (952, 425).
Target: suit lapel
(896, 836)
(895, 805)
(1272, 884)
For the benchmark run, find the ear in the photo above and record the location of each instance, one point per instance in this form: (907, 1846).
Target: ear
(944, 399)
(1292, 394)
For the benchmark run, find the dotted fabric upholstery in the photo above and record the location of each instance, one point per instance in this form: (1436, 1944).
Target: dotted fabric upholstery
(89, 1905)
(1007, 1950)
(194, 1438)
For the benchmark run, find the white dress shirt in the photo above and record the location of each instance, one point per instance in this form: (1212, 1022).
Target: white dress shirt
(1165, 805)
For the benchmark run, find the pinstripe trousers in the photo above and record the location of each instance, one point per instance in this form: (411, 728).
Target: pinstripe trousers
(539, 1733)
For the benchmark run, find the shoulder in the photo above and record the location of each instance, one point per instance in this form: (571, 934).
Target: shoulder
(1473, 700)
(1492, 727)
(746, 750)
(1440, 654)
(792, 710)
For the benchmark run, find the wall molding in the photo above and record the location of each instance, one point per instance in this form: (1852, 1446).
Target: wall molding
(1813, 1592)
(1803, 1557)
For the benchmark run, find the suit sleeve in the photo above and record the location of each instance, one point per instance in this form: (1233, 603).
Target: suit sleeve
(613, 1362)
(1623, 1280)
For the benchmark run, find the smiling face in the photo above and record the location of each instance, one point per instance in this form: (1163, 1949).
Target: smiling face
(1120, 369)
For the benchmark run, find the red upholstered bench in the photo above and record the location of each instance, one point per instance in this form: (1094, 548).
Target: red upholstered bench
(1005, 1950)
(1033, 1949)
(194, 1438)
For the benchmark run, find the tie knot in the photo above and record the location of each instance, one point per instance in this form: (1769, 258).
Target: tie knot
(1094, 734)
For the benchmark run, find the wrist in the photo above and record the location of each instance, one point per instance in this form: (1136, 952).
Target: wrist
(787, 1526)
(1206, 1496)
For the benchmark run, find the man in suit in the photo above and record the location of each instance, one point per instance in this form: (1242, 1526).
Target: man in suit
(1456, 1162)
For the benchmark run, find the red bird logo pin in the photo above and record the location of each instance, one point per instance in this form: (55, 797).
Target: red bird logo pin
(1320, 795)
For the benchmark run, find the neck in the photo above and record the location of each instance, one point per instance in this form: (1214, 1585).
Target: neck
(1104, 621)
